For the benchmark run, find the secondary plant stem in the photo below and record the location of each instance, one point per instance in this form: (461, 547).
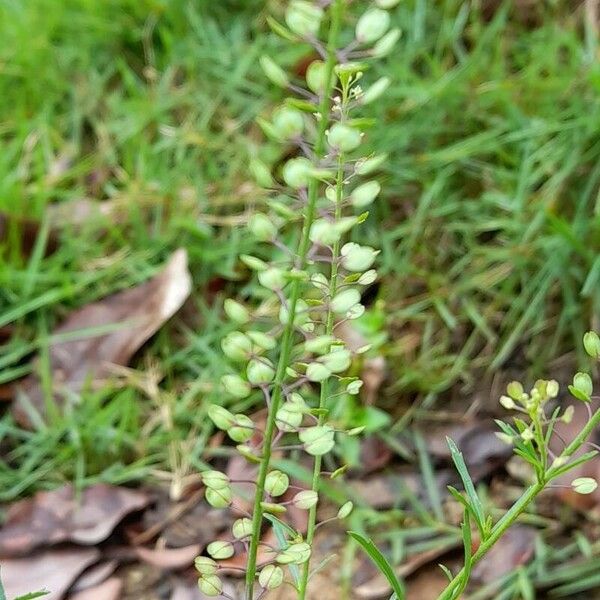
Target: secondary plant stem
(288, 332)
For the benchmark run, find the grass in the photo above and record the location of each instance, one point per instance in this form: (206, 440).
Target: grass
(489, 224)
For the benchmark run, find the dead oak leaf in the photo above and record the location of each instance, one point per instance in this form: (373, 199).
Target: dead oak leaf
(134, 315)
(169, 558)
(108, 590)
(53, 570)
(59, 516)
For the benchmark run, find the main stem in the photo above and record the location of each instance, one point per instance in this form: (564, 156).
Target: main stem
(288, 332)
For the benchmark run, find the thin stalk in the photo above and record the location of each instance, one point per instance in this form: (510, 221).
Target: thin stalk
(288, 332)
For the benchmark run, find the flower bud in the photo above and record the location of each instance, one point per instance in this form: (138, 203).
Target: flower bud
(273, 72)
(242, 429)
(504, 438)
(272, 508)
(319, 344)
(220, 416)
(242, 528)
(368, 277)
(582, 387)
(357, 311)
(316, 76)
(337, 361)
(288, 122)
(261, 227)
(584, 485)
(236, 386)
(215, 480)
(356, 257)
(286, 419)
(527, 435)
(262, 340)
(305, 499)
(205, 565)
(270, 577)
(236, 312)
(591, 343)
(387, 3)
(210, 585)
(220, 498)
(297, 172)
(343, 137)
(317, 440)
(559, 461)
(345, 510)
(220, 550)
(345, 300)
(567, 416)
(272, 278)
(260, 372)
(253, 262)
(294, 554)
(317, 372)
(507, 402)
(376, 90)
(304, 18)
(552, 388)
(277, 483)
(386, 44)
(515, 390)
(364, 194)
(237, 346)
(365, 166)
(372, 25)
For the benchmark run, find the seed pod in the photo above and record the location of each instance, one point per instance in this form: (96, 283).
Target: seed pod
(260, 372)
(236, 311)
(317, 372)
(319, 344)
(368, 277)
(317, 440)
(591, 343)
(220, 416)
(236, 386)
(337, 361)
(262, 340)
(372, 25)
(205, 565)
(220, 550)
(261, 227)
(276, 483)
(297, 172)
(344, 138)
(584, 485)
(375, 91)
(304, 18)
(242, 429)
(273, 72)
(354, 387)
(270, 577)
(316, 76)
(387, 3)
(288, 420)
(294, 554)
(345, 510)
(220, 498)
(237, 346)
(305, 499)
(582, 387)
(368, 165)
(215, 479)
(272, 278)
(357, 258)
(210, 585)
(386, 44)
(345, 300)
(242, 528)
(288, 123)
(364, 194)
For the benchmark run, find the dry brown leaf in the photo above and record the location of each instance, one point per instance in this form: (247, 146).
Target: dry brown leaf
(53, 570)
(187, 592)
(95, 575)
(140, 312)
(59, 516)
(169, 558)
(513, 549)
(426, 584)
(108, 590)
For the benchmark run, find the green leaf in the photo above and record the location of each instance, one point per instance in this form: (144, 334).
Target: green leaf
(475, 502)
(32, 595)
(381, 562)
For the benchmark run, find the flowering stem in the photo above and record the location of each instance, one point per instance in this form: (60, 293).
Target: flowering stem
(330, 322)
(288, 332)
